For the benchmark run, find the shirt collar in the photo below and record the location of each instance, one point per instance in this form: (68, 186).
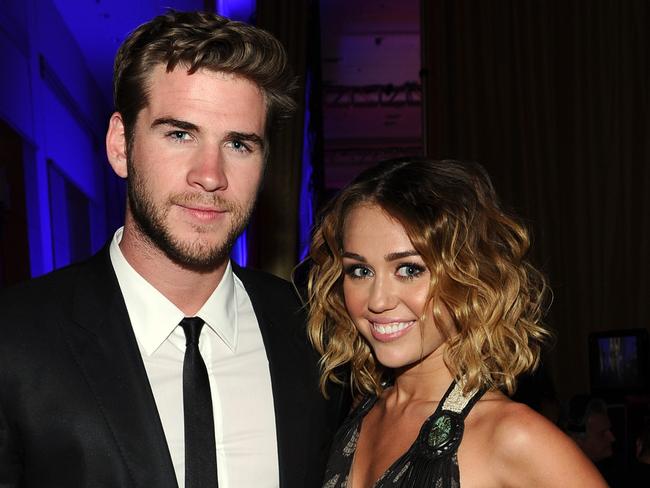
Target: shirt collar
(154, 318)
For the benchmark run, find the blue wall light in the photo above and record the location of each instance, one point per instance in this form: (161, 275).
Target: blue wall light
(243, 10)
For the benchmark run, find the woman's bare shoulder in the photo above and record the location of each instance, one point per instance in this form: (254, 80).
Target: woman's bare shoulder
(529, 450)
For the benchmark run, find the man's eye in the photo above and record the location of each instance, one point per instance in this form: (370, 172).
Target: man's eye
(409, 270)
(240, 146)
(179, 135)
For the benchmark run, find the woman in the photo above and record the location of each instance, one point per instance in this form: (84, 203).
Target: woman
(420, 290)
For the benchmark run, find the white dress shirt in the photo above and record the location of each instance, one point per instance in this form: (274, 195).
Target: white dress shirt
(240, 382)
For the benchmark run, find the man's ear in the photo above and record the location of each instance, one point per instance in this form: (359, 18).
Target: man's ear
(116, 145)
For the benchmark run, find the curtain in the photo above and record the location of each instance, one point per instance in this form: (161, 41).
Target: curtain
(275, 230)
(552, 98)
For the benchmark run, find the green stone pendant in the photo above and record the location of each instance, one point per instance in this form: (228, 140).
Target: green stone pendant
(440, 432)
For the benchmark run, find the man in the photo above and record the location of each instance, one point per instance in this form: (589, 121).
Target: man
(159, 363)
(590, 427)
(639, 469)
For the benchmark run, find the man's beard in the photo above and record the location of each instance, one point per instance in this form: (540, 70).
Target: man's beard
(151, 220)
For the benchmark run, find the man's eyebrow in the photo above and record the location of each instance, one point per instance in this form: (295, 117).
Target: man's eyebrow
(246, 136)
(355, 256)
(178, 124)
(394, 256)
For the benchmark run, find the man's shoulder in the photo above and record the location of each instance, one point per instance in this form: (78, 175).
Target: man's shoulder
(46, 292)
(29, 309)
(40, 288)
(266, 285)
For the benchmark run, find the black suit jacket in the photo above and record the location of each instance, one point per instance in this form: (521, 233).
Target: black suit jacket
(76, 408)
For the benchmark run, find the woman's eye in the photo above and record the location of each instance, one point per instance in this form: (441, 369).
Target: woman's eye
(409, 270)
(357, 271)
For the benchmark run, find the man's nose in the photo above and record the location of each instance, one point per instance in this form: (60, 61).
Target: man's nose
(208, 170)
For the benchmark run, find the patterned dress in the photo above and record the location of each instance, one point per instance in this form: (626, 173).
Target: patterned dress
(431, 461)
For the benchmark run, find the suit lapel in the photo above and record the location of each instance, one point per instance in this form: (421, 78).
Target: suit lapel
(104, 346)
(287, 354)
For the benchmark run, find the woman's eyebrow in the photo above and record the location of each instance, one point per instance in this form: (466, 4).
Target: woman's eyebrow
(354, 256)
(394, 256)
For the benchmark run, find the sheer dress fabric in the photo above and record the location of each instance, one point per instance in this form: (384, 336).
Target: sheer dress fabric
(431, 461)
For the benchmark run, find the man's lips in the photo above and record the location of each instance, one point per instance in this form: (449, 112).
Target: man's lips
(203, 213)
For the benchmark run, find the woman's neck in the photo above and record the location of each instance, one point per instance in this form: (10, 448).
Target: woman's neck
(427, 380)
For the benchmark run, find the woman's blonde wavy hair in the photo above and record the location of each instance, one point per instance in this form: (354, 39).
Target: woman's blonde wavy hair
(476, 255)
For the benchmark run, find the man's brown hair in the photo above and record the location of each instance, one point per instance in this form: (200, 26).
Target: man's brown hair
(201, 40)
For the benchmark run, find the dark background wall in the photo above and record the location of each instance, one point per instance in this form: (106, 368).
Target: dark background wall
(552, 97)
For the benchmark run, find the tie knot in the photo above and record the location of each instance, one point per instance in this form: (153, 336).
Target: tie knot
(192, 327)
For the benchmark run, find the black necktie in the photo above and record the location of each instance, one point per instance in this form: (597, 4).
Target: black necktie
(200, 449)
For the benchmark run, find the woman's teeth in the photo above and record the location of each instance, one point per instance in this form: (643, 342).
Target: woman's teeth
(392, 327)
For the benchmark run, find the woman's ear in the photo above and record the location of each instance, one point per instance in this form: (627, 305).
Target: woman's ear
(116, 145)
